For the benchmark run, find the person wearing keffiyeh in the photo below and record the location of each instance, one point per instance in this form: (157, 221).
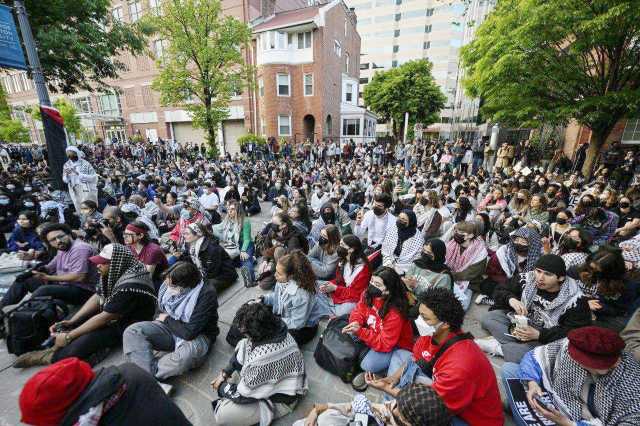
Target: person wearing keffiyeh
(81, 177)
(124, 295)
(403, 243)
(516, 257)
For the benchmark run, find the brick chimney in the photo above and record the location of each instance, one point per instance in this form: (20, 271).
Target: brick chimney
(267, 8)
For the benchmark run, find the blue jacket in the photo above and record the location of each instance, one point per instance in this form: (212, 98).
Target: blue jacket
(20, 235)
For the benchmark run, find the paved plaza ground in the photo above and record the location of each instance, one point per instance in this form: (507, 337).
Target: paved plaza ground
(192, 392)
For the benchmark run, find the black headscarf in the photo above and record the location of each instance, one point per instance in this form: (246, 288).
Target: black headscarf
(408, 232)
(436, 264)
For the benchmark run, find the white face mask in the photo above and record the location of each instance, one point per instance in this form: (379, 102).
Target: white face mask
(425, 329)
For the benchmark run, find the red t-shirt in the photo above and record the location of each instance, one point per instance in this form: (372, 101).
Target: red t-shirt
(382, 334)
(151, 254)
(464, 378)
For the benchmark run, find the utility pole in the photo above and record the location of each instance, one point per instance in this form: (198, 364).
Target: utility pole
(54, 133)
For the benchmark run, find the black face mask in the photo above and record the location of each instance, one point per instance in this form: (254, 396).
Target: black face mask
(625, 205)
(568, 244)
(322, 240)
(73, 158)
(561, 221)
(521, 249)
(401, 226)
(378, 211)
(424, 201)
(458, 238)
(373, 291)
(342, 252)
(328, 218)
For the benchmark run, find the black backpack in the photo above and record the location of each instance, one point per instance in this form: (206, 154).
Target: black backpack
(337, 352)
(427, 366)
(28, 324)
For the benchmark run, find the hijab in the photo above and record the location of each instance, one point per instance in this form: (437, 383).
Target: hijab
(408, 232)
(437, 264)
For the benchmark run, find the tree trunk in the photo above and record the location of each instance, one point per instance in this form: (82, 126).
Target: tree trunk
(597, 142)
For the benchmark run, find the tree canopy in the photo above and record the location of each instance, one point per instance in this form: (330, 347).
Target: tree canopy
(10, 130)
(203, 63)
(407, 88)
(536, 61)
(79, 42)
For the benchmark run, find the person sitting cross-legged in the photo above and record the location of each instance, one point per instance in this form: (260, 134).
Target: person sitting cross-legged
(446, 359)
(540, 307)
(184, 330)
(589, 377)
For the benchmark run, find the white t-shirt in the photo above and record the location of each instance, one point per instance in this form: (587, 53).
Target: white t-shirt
(209, 201)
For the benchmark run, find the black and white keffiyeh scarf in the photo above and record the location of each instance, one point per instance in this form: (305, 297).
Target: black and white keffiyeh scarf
(508, 258)
(615, 396)
(124, 268)
(567, 298)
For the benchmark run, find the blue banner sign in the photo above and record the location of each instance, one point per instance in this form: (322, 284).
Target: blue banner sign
(11, 55)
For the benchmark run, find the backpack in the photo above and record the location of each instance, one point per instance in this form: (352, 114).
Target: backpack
(28, 324)
(337, 352)
(427, 366)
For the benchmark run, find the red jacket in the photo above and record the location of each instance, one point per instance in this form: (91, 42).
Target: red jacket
(381, 334)
(464, 379)
(344, 294)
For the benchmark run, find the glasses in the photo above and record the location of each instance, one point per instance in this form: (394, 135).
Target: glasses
(60, 237)
(127, 234)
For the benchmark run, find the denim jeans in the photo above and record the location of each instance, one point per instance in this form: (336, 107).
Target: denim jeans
(375, 362)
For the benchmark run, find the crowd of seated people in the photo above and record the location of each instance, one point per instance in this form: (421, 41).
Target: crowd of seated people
(402, 249)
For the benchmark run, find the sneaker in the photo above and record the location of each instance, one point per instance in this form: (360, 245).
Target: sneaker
(483, 299)
(359, 384)
(166, 387)
(246, 276)
(490, 345)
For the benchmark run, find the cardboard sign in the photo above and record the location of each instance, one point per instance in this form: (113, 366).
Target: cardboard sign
(521, 407)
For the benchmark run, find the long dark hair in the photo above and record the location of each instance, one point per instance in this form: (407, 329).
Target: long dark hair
(358, 255)
(298, 267)
(612, 269)
(397, 297)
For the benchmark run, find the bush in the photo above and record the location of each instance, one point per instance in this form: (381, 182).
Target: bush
(251, 138)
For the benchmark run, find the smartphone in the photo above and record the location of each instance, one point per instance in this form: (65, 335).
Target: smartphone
(511, 335)
(544, 405)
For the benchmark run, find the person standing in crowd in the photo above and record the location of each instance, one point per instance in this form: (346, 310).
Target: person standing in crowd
(80, 177)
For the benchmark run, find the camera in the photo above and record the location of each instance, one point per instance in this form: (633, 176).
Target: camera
(41, 267)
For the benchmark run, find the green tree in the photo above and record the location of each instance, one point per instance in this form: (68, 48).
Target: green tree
(10, 130)
(79, 42)
(407, 88)
(69, 113)
(550, 61)
(203, 63)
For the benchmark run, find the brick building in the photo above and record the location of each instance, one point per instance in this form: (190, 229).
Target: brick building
(133, 108)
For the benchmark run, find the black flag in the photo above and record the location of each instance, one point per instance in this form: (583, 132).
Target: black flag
(56, 137)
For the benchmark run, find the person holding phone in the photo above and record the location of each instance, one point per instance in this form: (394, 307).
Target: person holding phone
(551, 301)
(588, 375)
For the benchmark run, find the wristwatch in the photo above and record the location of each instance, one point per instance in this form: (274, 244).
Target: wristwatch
(67, 339)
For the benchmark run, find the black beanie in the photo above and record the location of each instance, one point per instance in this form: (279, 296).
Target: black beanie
(552, 263)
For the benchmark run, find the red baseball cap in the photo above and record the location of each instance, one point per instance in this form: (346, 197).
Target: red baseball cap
(104, 256)
(48, 394)
(595, 347)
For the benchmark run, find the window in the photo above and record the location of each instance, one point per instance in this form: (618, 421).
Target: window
(337, 48)
(384, 18)
(351, 127)
(109, 104)
(427, 44)
(289, 39)
(135, 10)
(398, 2)
(154, 7)
(430, 12)
(159, 47)
(261, 87)
(345, 27)
(308, 84)
(282, 40)
(631, 132)
(394, 64)
(413, 14)
(272, 40)
(427, 28)
(396, 48)
(347, 64)
(304, 40)
(398, 16)
(284, 125)
(116, 14)
(396, 33)
(283, 85)
(83, 105)
(377, 66)
(364, 66)
(348, 96)
(364, 80)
